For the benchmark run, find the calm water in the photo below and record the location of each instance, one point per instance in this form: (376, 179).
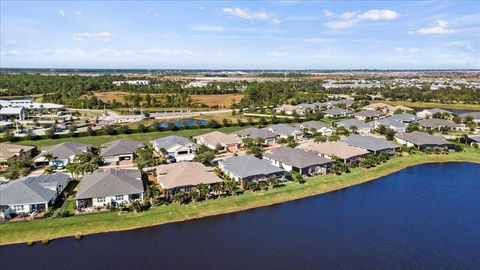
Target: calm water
(424, 217)
(188, 123)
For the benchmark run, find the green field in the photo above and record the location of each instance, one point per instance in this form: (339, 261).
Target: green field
(17, 232)
(422, 105)
(145, 137)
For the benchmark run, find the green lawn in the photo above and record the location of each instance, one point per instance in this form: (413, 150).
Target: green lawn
(16, 232)
(145, 137)
(416, 105)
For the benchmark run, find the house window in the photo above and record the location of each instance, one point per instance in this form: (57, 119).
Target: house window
(101, 199)
(119, 198)
(18, 208)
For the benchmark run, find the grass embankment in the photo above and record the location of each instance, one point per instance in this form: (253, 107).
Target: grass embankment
(145, 137)
(421, 105)
(113, 221)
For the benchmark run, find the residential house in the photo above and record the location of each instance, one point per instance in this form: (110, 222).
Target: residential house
(119, 150)
(31, 194)
(437, 124)
(249, 168)
(475, 116)
(339, 150)
(286, 109)
(362, 127)
(179, 148)
(405, 117)
(8, 152)
(391, 123)
(368, 115)
(183, 176)
(230, 142)
(105, 187)
(422, 140)
(297, 160)
(335, 103)
(319, 127)
(306, 108)
(473, 140)
(266, 135)
(336, 113)
(284, 131)
(374, 145)
(12, 113)
(62, 153)
(430, 112)
(386, 108)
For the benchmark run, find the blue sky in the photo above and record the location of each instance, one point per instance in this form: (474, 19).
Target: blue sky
(241, 35)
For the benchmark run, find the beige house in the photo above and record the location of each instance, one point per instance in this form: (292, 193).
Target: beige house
(183, 176)
(341, 150)
(230, 142)
(386, 108)
(9, 152)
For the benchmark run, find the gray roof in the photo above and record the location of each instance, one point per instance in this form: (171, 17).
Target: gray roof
(38, 189)
(311, 106)
(336, 111)
(256, 133)
(475, 138)
(370, 143)
(348, 102)
(353, 122)
(391, 122)
(369, 113)
(312, 124)
(296, 157)
(474, 115)
(66, 149)
(435, 123)
(171, 141)
(120, 147)
(282, 129)
(422, 138)
(247, 166)
(405, 117)
(110, 182)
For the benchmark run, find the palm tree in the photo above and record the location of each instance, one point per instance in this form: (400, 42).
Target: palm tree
(194, 195)
(49, 170)
(48, 157)
(203, 190)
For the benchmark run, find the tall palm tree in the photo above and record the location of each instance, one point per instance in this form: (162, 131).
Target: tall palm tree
(48, 157)
(203, 190)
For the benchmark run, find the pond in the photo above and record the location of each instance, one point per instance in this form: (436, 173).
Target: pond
(423, 217)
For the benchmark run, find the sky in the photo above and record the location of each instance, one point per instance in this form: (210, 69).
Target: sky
(241, 35)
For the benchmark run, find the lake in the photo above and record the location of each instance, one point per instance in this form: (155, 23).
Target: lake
(423, 217)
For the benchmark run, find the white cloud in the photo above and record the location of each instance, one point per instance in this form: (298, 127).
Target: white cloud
(80, 36)
(436, 28)
(77, 12)
(247, 14)
(414, 49)
(10, 53)
(379, 14)
(100, 36)
(350, 19)
(103, 36)
(275, 21)
(347, 15)
(328, 13)
(66, 52)
(399, 49)
(61, 12)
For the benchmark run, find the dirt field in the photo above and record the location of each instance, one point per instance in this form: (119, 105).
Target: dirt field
(225, 100)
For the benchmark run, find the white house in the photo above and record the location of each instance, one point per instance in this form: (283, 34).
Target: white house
(180, 148)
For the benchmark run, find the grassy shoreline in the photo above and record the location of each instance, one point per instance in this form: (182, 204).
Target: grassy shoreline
(18, 232)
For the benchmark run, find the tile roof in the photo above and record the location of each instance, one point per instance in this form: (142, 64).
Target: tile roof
(312, 124)
(120, 147)
(110, 182)
(370, 143)
(8, 151)
(339, 149)
(296, 157)
(185, 174)
(246, 166)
